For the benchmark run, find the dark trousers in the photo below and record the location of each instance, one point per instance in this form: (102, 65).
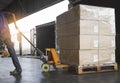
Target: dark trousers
(6, 38)
(12, 53)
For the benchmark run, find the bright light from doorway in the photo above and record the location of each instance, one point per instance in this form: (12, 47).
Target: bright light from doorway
(46, 15)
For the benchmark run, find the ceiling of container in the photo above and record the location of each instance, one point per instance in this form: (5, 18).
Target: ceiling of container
(4, 3)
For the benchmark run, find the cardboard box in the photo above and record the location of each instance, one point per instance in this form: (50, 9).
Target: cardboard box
(106, 56)
(69, 16)
(68, 29)
(88, 57)
(106, 28)
(106, 42)
(70, 57)
(79, 57)
(88, 12)
(89, 42)
(107, 14)
(89, 27)
(78, 42)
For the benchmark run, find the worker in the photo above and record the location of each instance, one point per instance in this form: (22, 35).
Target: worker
(5, 36)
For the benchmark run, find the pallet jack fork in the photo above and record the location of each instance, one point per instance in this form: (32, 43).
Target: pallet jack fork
(53, 58)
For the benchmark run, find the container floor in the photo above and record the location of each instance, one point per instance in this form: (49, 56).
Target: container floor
(32, 73)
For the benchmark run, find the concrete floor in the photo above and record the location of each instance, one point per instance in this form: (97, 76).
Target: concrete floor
(32, 74)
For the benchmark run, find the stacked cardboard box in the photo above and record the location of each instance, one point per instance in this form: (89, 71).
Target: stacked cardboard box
(86, 35)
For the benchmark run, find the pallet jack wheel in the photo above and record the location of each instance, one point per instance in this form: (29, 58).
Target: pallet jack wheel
(45, 67)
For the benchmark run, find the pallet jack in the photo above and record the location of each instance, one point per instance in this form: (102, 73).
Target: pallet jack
(54, 60)
(52, 56)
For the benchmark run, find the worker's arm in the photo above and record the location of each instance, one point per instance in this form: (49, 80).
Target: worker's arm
(9, 14)
(14, 18)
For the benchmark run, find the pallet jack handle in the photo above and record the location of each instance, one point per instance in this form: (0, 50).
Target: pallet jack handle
(38, 50)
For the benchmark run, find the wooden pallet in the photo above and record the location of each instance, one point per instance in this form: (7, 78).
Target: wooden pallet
(95, 69)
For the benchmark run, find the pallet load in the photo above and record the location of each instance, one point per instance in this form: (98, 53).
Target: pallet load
(85, 37)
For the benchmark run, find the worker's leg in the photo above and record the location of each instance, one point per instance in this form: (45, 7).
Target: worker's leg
(13, 55)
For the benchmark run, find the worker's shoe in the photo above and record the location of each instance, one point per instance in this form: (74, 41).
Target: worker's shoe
(15, 72)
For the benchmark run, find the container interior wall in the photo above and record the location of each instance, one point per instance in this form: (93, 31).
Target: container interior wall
(45, 36)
